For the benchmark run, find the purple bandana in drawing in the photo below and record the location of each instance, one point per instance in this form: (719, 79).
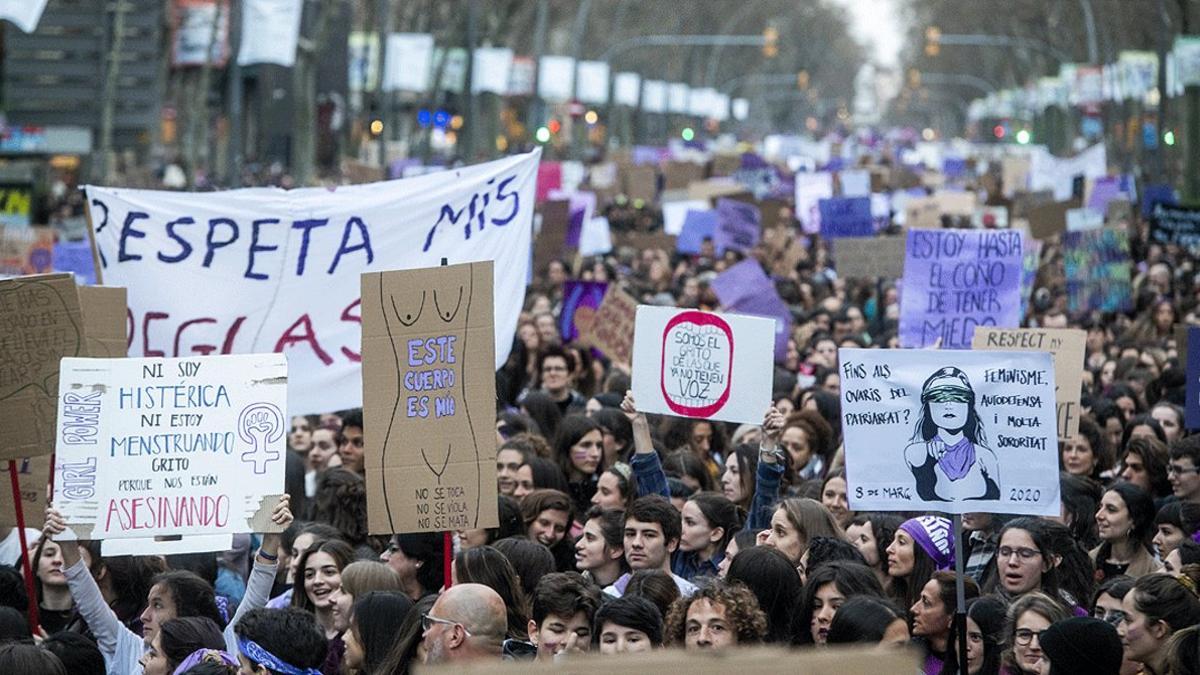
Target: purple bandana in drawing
(958, 458)
(934, 536)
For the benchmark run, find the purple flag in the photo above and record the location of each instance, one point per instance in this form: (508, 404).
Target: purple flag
(955, 280)
(738, 226)
(1104, 190)
(746, 289)
(578, 294)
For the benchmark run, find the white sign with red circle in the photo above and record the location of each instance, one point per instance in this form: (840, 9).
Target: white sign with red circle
(703, 365)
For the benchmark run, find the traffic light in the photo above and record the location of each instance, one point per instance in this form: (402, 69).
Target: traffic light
(933, 41)
(770, 47)
(802, 80)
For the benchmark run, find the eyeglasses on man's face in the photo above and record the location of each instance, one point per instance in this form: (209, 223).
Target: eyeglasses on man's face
(427, 621)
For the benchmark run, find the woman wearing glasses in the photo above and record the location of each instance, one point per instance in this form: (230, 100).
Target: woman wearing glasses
(1038, 555)
(1031, 614)
(1125, 523)
(1106, 606)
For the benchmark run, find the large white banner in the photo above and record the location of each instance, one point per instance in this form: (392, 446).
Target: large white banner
(950, 431)
(25, 14)
(269, 270)
(158, 447)
(270, 30)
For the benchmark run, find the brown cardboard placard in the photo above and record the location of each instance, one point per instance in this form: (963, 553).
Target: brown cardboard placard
(678, 175)
(725, 165)
(1024, 202)
(956, 203)
(42, 323)
(610, 327)
(869, 257)
(104, 320)
(1048, 220)
(922, 213)
(744, 660)
(358, 173)
(713, 189)
(550, 242)
(881, 177)
(1014, 175)
(640, 182)
(1066, 346)
(429, 398)
(33, 476)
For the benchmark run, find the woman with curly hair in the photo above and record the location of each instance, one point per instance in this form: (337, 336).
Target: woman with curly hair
(717, 616)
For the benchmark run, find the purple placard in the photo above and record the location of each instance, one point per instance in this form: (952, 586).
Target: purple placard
(955, 280)
(746, 289)
(738, 226)
(1104, 190)
(578, 294)
(846, 217)
(75, 256)
(697, 226)
(649, 154)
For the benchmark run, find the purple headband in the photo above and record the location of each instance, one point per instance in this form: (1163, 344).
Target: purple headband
(201, 655)
(935, 536)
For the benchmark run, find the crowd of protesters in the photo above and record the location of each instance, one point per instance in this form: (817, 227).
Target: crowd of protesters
(622, 532)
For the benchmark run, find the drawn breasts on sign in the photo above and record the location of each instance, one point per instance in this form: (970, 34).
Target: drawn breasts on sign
(428, 403)
(948, 454)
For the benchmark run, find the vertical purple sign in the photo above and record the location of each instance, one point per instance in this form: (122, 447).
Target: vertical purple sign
(955, 280)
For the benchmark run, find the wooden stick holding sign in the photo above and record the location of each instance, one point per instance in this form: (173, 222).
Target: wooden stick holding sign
(25, 564)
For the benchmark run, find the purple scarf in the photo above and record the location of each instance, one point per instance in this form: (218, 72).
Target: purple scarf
(958, 459)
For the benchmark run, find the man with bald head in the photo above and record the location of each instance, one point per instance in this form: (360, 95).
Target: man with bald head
(468, 622)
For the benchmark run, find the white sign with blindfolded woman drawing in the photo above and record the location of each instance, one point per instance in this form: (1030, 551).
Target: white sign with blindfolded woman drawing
(950, 431)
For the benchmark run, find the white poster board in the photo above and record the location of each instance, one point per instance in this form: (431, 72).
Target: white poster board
(267, 270)
(950, 431)
(704, 365)
(160, 447)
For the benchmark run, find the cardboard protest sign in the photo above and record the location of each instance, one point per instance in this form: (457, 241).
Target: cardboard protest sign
(579, 300)
(642, 241)
(1014, 175)
(1192, 392)
(280, 269)
(42, 323)
(1049, 219)
(1096, 266)
(1119, 212)
(1024, 202)
(714, 188)
(33, 475)
(610, 327)
(703, 365)
(551, 240)
(1175, 225)
(679, 175)
(104, 324)
(955, 432)
(430, 394)
(744, 288)
(869, 257)
(846, 217)
(959, 204)
(640, 182)
(161, 447)
(745, 660)
(739, 226)
(922, 213)
(955, 280)
(1066, 346)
